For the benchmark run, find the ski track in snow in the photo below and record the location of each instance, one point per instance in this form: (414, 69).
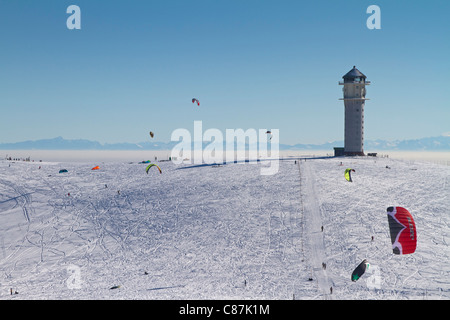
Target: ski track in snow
(220, 232)
(314, 233)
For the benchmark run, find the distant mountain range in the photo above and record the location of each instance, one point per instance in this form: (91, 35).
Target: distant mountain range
(441, 143)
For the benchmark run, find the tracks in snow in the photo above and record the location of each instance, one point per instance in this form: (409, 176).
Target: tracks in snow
(23, 198)
(313, 235)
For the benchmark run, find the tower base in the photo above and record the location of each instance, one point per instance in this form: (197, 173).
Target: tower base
(353, 153)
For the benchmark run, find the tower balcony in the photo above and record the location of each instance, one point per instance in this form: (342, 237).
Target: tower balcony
(354, 99)
(360, 82)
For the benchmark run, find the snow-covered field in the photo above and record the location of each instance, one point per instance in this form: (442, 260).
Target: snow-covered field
(223, 232)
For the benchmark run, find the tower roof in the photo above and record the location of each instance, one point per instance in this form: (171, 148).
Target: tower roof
(354, 73)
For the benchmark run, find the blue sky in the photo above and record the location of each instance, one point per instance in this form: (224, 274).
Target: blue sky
(135, 66)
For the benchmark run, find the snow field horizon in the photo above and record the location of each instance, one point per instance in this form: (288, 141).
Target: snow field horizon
(250, 145)
(105, 156)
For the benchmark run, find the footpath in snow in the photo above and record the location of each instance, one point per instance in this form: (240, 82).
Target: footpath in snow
(314, 230)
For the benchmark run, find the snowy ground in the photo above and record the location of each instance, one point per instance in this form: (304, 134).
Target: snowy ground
(220, 232)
